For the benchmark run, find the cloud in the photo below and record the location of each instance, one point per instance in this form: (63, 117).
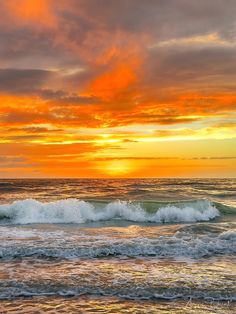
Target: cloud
(11, 159)
(28, 12)
(164, 19)
(22, 80)
(72, 69)
(15, 162)
(192, 65)
(33, 82)
(147, 158)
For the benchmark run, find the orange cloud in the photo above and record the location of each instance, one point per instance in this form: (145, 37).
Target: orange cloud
(114, 82)
(32, 11)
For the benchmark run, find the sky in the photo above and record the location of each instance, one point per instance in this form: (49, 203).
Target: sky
(108, 88)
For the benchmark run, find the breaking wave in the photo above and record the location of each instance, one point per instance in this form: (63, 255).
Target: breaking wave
(180, 245)
(77, 211)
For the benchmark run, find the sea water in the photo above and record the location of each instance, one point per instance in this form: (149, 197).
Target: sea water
(118, 246)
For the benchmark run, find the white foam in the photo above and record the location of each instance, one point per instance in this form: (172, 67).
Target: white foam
(77, 211)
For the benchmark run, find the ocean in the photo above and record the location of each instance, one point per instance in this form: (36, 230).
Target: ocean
(118, 246)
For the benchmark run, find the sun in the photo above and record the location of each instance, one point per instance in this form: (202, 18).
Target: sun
(118, 168)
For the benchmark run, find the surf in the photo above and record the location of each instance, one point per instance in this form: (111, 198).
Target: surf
(75, 211)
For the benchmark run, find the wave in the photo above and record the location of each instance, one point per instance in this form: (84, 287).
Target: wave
(149, 279)
(177, 293)
(190, 241)
(77, 211)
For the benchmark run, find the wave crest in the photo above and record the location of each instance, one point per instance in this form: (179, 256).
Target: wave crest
(78, 211)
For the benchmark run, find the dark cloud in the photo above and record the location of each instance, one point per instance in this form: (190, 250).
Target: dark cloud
(87, 28)
(63, 97)
(23, 117)
(164, 158)
(9, 161)
(184, 64)
(91, 37)
(31, 82)
(164, 18)
(78, 19)
(37, 130)
(22, 81)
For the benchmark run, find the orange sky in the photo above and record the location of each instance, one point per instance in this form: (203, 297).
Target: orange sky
(97, 88)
